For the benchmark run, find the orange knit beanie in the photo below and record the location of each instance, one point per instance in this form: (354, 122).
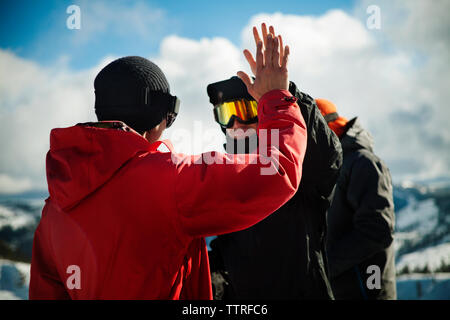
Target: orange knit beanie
(336, 122)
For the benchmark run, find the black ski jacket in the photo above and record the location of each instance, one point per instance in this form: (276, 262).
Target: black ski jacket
(361, 223)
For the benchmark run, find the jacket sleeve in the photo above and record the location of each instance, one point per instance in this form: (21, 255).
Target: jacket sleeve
(44, 280)
(369, 194)
(328, 158)
(219, 193)
(323, 158)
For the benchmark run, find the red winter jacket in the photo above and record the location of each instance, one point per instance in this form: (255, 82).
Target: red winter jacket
(126, 221)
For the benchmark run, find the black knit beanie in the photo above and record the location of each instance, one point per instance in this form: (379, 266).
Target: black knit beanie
(123, 88)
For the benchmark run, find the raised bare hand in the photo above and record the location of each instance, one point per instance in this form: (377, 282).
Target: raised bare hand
(248, 55)
(270, 67)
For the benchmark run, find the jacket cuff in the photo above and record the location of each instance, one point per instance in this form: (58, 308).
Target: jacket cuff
(275, 98)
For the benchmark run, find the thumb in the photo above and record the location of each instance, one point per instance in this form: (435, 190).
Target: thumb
(246, 79)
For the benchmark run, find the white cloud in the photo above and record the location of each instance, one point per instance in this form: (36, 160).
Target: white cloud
(399, 99)
(190, 66)
(10, 185)
(420, 30)
(119, 18)
(33, 100)
(375, 75)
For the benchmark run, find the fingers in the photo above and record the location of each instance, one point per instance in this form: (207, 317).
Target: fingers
(251, 61)
(269, 51)
(276, 53)
(272, 31)
(264, 33)
(271, 63)
(280, 40)
(245, 79)
(272, 56)
(256, 35)
(281, 47)
(285, 58)
(259, 57)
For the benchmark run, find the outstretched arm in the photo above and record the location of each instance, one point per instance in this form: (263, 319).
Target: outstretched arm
(233, 192)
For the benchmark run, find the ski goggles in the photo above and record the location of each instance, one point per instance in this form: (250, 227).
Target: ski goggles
(244, 109)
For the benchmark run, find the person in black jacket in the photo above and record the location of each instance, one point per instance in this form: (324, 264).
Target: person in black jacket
(281, 257)
(361, 218)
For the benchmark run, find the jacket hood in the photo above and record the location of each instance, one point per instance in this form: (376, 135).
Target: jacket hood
(356, 137)
(83, 157)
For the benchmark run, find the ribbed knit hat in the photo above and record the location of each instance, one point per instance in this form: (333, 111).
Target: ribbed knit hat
(123, 88)
(335, 122)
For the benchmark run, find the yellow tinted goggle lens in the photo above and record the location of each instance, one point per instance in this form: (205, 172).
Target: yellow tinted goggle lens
(242, 108)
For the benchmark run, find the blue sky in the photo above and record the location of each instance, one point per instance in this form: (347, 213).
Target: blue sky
(36, 30)
(391, 78)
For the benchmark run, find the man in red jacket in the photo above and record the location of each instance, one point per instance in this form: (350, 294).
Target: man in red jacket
(127, 221)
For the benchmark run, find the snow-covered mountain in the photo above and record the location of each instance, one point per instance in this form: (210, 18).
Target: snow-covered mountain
(19, 216)
(14, 280)
(422, 240)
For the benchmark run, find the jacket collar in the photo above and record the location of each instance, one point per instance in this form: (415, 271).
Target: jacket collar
(356, 137)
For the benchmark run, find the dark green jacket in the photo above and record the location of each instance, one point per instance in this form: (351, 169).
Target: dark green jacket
(361, 221)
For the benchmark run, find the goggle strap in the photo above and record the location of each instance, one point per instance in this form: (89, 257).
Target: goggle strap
(331, 117)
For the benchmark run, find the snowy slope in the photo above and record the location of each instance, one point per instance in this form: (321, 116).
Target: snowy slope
(431, 258)
(14, 280)
(424, 287)
(422, 222)
(18, 220)
(14, 218)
